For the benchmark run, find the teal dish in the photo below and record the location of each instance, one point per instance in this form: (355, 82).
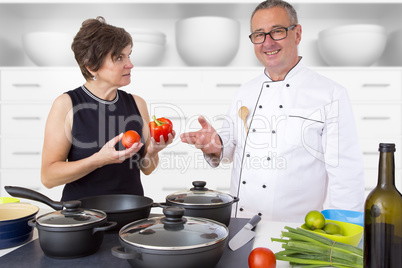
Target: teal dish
(349, 216)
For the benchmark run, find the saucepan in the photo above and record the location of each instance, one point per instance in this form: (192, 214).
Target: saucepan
(71, 232)
(14, 228)
(172, 241)
(120, 208)
(200, 201)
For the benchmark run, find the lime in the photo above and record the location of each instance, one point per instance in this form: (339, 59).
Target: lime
(314, 220)
(332, 228)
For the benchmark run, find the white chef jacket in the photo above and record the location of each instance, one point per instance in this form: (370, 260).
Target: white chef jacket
(302, 140)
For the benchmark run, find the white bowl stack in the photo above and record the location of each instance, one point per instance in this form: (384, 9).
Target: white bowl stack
(148, 47)
(393, 51)
(49, 48)
(352, 45)
(207, 41)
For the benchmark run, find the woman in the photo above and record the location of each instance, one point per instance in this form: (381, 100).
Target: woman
(82, 147)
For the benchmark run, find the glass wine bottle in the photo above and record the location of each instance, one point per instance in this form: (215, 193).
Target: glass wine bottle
(383, 216)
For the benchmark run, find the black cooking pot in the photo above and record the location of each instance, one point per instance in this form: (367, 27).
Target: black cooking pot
(120, 208)
(69, 233)
(172, 241)
(200, 201)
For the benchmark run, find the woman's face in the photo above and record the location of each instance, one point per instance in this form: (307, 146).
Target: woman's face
(116, 72)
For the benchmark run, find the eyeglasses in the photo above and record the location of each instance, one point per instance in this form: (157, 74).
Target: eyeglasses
(276, 34)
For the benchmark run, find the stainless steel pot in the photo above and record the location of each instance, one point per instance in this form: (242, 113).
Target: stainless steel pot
(172, 241)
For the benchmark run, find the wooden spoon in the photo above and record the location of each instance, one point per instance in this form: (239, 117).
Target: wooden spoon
(243, 113)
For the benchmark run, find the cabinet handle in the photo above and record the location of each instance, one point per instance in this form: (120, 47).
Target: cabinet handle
(228, 85)
(26, 85)
(175, 153)
(376, 85)
(26, 153)
(370, 153)
(26, 118)
(171, 189)
(177, 117)
(376, 117)
(175, 85)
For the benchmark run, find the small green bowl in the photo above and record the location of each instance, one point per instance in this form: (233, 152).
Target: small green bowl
(352, 233)
(4, 200)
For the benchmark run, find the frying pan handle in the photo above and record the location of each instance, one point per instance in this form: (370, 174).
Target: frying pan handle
(33, 195)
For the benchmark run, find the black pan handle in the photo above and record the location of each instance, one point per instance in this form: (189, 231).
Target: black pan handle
(33, 195)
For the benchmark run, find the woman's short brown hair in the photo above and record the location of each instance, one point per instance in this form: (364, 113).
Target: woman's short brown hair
(94, 41)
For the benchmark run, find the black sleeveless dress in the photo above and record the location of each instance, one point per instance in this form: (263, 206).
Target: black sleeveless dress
(95, 122)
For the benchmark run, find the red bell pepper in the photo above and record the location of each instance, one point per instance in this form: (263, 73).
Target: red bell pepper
(160, 126)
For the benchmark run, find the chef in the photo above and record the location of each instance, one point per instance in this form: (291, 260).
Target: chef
(298, 148)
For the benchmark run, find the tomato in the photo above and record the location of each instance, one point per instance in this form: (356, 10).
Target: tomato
(129, 138)
(261, 258)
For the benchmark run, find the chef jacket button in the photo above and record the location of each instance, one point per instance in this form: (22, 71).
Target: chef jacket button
(268, 158)
(264, 186)
(260, 106)
(244, 182)
(281, 106)
(273, 131)
(248, 155)
(259, 214)
(266, 85)
(241, 209)
(287, 85)
(254, 130)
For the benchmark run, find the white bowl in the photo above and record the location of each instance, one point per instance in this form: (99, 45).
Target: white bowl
(150, 36)
(147, 54)
(393, 52)
(207, 41)
(49, 48)
(352, 45)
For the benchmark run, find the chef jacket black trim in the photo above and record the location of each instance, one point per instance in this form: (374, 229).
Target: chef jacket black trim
(298, 116)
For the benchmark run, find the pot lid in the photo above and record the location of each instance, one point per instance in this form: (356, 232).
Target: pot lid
(173, 231)
(71, 216)
(200, 195)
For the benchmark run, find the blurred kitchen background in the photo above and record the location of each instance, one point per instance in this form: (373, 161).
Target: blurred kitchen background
(190, 56)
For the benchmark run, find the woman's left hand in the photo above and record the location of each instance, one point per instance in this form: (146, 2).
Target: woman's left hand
(155, 147)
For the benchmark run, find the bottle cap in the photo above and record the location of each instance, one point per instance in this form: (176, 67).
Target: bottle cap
(387, 147)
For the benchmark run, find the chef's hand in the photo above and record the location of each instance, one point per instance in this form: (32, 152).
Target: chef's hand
(206, 139)
(109, 155)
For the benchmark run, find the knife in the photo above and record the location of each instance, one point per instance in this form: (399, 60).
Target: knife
(245, 234)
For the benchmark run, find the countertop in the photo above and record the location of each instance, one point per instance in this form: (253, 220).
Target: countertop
(264, 231)
(30, 254)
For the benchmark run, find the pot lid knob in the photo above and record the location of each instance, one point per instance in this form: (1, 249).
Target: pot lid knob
(199, 186)
(173, 216)
(72, 207)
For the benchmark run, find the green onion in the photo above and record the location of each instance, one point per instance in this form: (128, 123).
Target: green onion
(310, 250)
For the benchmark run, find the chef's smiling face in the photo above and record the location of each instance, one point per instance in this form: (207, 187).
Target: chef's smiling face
(278, 57)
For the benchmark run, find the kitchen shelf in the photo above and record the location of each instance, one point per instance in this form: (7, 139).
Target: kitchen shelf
(67, 15)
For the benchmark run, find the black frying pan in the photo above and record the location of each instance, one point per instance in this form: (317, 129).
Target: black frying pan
(119, 208)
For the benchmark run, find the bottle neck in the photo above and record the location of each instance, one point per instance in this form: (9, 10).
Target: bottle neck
(386, 170)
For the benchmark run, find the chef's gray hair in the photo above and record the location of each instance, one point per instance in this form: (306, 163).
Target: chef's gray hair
(279, 3)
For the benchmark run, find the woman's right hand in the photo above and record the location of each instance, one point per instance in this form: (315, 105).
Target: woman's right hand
(109, 155)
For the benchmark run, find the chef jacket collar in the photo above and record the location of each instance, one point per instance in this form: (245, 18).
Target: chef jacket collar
(290, 73)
